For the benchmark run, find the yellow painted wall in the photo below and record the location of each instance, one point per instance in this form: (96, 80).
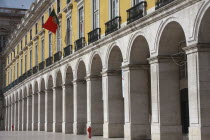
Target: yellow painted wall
(104, 17)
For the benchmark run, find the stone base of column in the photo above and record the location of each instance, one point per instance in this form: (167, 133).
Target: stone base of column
(19, 127)
(166, 132)
(23, 127)
(29, 128)
(79, 128)
(199, 133)
(97, 128)
(34, 126)
(67, 127)
(113, 130)
(16, 127)
(41, 126)
(48, 127)
(57, 127)
(137, 131)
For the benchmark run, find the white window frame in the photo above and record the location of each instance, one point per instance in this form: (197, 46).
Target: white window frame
(79, 6)
(36, 54)
(58, 38)
(93, 15)
(50, 44)
(42, 48)
(69, 37)
(110, 9)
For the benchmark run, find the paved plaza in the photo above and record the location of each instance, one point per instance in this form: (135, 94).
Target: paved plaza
(34, 135)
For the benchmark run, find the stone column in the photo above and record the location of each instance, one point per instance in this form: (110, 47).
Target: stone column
(113, 112)
(198, 57)
(29, 113)
(16, 116)
(95, 105)
(80, 121)
(67, 100)
(24, 114)
(136, 88)
(12, 115)
(9, 117)
(41, 110)
(34, 112)
(165, 97)
(19, 115)
(48, 110)
(57, 109)
(6, 119)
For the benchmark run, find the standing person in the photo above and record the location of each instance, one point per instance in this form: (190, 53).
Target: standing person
(89, 132)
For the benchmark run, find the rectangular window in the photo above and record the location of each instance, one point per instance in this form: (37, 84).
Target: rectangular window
(69, 32)
(17, 70)
(81, 22)
(50, 10)
(25, 40)
(25, 63)
(18, 49)
(14, 76)
(36, 28)
(50, 45)
(21, 66)
(21, 45)
(31, 34)
(36, 55)
(2, 41)
(31, 59)
(95, 14)
(58, 6)
(42, 43)
(114, 8)
(135, 2)
(42, 20)
(58, 38)
(11, 75)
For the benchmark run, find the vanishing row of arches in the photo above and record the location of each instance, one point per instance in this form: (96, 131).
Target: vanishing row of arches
(102, 99)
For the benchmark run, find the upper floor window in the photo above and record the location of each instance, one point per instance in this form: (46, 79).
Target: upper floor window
(50, 44)
(135, 2)
(42, 20)
(68, 37)
(42, 45)
(81, 22)
(67, 1)
(36, 55)
(31, 34)
(25, 62)
(31, 59)
(58, 6)
(50, 10)
(17, 70)
(58, 38)
(21, 65)
(21, 45)
(2, 41)
(25, 40)
(36, 28)
(95, 14)
(114, 8)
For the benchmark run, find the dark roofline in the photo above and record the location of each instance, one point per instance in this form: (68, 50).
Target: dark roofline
(13, 8)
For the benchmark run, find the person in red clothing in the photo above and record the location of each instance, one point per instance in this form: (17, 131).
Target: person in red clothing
(89, 132)
(12, 127)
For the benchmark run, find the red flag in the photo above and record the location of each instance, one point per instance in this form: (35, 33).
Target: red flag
(52, 22)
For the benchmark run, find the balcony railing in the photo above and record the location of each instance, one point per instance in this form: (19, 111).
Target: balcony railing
(41, 65)
(49, 61)
(24, 76)
(29, 73)
(80, 43)
(35, 69)
(161, 3)
(113, 25)
(94, 35)
(57, 56)
(67, 50)
(136, 12)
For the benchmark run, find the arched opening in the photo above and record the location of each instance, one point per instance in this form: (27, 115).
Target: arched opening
(80, 106)
(24, 109)
(57, 95)
(12, 111)
(140, 90)
(20, 111)
(41, 107)
(35, 107)
(115, 95)
(29, 105)
(49, 105)
(96, 119)
(68, 102)
(16, 111)
(173, 81)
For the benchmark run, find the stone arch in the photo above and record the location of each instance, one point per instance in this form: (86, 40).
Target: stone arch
(68, 100)
(137, 75)
(171, 64)
(80, 91)
(58, 78)
(115, 98)
(95, 96)
(35, 106)
(29, 105)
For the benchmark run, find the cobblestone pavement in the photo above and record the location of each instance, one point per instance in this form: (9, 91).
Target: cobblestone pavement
(5, 135)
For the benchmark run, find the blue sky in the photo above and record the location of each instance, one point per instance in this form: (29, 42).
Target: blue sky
(23, 4)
